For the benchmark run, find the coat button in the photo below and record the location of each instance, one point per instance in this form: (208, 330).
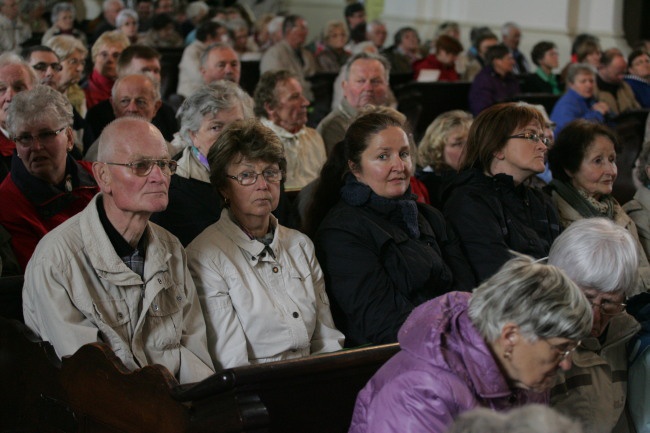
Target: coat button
(275, 269)
(295, 315)
(120, 316)
(179, 298)
(156, 307)
(159, 281)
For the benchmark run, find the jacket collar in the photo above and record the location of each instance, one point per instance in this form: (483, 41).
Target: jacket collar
(7, 146)
(252, 247)
(281, 132)
(50, 199)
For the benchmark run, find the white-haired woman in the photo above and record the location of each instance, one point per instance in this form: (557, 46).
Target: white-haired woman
(601, 258)
(63, 16)
(500, 347)
(127, 22)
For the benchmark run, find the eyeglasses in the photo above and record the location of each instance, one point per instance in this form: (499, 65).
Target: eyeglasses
(564, 350)
(532, 137)
(250, 177)
(143, 167)
(42, 66)
(45, 138)
(607, 308)
(74, 62)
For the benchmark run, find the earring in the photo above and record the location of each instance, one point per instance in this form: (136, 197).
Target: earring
(508, 353)
(226, 201)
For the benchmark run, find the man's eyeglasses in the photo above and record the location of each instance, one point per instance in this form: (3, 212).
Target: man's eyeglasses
(608, 308)
(250, 177)
(45, 138)
(143, 167)
(533, 137)
(42, 66)
(564, 350)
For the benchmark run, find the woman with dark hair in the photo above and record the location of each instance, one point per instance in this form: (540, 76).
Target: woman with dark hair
(490, 205)
(259, 283)
(382, 253)
(583, 163)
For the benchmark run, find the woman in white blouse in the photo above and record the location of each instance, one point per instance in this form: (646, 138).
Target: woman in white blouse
(261, 288)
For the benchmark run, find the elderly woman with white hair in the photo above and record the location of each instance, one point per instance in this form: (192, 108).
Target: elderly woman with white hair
(500, 347)
(127, 22)
(601, 258)
(63, 16)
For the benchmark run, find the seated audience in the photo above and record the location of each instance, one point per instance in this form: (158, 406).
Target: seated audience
(638, 395)
(289, 53)
(63, 16)
(601, 259)
(45, 64)
(127, 23)
(490, 205)
(531, 418)
(546, 57)
(105, 52)
(511, 36)
(193, 203)
(13, 30)
(136, 59)
(260, 285)
(583, 163)
(611, 88)
(162, 33)
(365, 82)
(404, 52)
(189, 69)
(72, 55)
(46, 186)
(333, 55)
(382, 253)
(639, 207)
(15, 76)
(108, 275)
(496, 82)
(475, 60)
(376, 33)
(242, 42)
(134, 95)
(585, 49)
(444, 59)
(579, 102)
(282, 106)
(499, 348)
(440, 152)
(220, 62)
(105, 22)
(638, 77)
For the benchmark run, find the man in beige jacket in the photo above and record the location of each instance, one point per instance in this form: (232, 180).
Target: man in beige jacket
(109, 275)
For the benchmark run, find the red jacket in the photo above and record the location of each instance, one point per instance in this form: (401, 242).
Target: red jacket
(98, 89)
(30, 207)
(447, 73)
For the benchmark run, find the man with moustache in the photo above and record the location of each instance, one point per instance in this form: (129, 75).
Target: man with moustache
(366, 82)
(109, 275)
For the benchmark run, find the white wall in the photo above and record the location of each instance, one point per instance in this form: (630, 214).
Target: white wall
(555, 20)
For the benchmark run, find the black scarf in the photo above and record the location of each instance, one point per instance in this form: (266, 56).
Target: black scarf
(402, 211)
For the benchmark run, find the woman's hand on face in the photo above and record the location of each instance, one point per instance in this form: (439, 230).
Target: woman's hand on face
(601, 107)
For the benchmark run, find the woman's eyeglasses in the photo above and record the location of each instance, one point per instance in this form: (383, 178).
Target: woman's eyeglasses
(250, 177)
(533, 137)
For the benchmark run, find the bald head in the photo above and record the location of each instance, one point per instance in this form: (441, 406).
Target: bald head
(121, 137)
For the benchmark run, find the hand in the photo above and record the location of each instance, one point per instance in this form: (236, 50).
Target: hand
(601, 107)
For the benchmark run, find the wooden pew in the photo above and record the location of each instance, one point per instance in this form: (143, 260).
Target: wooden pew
(91, 391)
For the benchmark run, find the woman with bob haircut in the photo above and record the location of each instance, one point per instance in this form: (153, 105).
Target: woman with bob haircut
(261, 288)
(382, 252)
(583, 163)
(499, 347)
(601, 258)
(490, 205)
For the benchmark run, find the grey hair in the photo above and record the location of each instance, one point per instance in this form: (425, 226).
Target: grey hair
(370, 56)
(62, 7)
(107, 3)
(597, 254)
(154, 86)
(576, 69)
(195, 8)
(505, 29)
(237, 24)
(540, 299)
(643, 162)
(65, 45)
(211, 47)
(275, 24)
(8, 58)
(218, 96)
(123, 15)
(479, 420)
(41, 102)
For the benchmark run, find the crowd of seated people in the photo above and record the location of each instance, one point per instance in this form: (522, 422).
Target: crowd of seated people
(169, 226)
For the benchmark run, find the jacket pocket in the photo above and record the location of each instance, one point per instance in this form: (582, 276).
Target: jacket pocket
(112, 318)
(165, 320)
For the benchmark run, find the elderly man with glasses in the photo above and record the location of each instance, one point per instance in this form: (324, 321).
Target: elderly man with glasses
(108, 275)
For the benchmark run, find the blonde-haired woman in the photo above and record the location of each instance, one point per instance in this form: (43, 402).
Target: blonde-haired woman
(333, 56)
(440, 150)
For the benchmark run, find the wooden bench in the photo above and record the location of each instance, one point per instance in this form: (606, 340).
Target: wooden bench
(91, 391)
